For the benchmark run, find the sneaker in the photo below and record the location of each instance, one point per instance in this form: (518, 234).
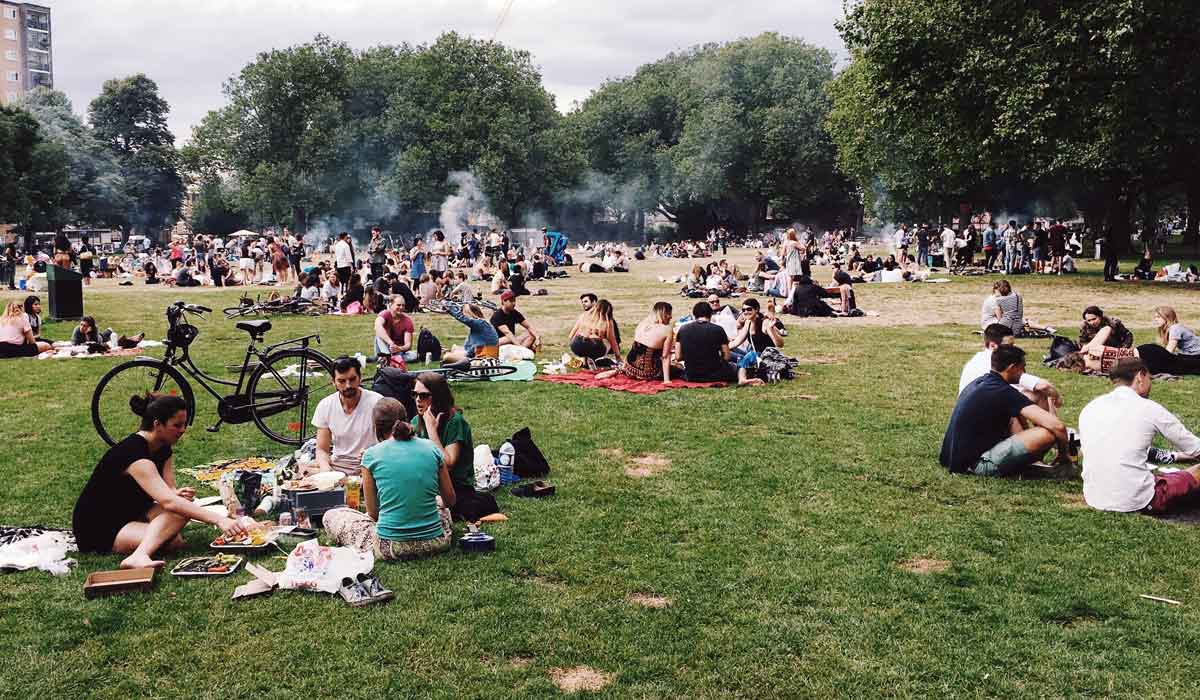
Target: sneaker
(374, 588)
(353, 593)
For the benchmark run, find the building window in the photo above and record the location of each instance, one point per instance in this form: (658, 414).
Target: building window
(10, 34)
(13, 76)
(12, 97)
(10, 55)
(10, 13)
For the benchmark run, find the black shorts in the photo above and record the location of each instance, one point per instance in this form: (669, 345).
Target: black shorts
(343, 275)
(9, 350)
(588, 348)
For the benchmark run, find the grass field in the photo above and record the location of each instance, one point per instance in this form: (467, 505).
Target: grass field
(771, 545)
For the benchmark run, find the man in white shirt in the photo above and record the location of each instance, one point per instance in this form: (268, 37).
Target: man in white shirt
(344, 421)
(1037, 390)
(343, 260)
(949, 245)
(1116, 431)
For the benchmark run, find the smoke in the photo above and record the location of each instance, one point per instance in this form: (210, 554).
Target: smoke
(468, 205)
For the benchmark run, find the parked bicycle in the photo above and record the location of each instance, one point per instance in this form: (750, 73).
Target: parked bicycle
(290, 305)
(278, 386)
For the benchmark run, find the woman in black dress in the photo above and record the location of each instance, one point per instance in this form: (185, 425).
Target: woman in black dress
(131, 505)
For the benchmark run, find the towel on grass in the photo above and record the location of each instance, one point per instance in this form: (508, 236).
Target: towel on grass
(620, 382)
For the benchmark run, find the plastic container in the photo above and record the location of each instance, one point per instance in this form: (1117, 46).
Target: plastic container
(507, 476)
(354, 493)
(508, 455)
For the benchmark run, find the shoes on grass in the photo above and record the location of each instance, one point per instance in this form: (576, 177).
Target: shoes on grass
(538, 489)
(366, 590)
(374, 588)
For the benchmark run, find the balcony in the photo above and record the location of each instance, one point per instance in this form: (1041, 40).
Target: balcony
(38, 41)
(37, 20)
(38, 61)
(37, 80)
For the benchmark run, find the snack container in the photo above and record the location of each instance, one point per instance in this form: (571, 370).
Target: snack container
(102, 583)
(179, 568)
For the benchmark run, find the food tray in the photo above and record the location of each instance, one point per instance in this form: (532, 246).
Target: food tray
(177, 571)
(102, 583)
(242, 548)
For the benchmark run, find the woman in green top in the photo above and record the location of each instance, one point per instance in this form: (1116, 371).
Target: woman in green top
(402, 477)
(435, 407)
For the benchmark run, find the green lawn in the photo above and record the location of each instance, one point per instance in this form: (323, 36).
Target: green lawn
(781, 533)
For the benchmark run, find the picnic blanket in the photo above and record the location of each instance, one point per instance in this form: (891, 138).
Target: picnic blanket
(80, 351)
(619, 382)
(525, 371)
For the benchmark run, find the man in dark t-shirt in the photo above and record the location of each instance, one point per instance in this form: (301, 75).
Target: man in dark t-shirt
(506, 319)
(987, 435)
(704, 348)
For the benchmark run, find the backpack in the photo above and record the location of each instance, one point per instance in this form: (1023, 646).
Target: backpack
(528, 460)
(774, 366)
(1060, 347)
(428, 344)
(397, 384)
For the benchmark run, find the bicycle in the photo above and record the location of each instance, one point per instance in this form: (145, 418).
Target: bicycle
(292, 305)
(278, 392)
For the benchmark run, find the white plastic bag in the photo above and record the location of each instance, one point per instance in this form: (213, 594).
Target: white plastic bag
(515, 353)
(487, 474)
(311, 567)
(47, 551)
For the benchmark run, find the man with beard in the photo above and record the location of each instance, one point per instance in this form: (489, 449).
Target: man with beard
(344, 424)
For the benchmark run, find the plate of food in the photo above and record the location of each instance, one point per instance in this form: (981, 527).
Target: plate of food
(256, 541)
(217, 565)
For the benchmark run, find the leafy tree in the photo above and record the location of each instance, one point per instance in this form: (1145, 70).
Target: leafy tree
(215, 208)
(130, 117)
(95, 192)
(721, 134)
(33, 173)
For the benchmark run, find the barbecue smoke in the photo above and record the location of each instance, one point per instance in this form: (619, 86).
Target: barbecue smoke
(468, 204)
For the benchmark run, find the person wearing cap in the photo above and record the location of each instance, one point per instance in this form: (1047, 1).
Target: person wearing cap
(1116, 434)
(506, 319)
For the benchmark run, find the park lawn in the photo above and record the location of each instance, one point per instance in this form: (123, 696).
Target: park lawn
(806, 546)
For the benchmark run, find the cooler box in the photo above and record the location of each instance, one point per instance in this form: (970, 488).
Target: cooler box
(316, 502)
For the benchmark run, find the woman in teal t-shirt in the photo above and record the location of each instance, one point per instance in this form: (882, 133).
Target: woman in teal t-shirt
(402, 476)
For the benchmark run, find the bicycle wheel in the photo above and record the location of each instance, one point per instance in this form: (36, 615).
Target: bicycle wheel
(110, 401)
(285, 390)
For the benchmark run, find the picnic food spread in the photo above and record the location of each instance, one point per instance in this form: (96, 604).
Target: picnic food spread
(216, 565)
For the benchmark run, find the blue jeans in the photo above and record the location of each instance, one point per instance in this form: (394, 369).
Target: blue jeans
(381, 348)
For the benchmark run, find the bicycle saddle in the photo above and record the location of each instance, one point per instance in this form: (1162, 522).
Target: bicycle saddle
(255, 328)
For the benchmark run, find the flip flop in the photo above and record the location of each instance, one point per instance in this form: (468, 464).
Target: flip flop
(538, 489)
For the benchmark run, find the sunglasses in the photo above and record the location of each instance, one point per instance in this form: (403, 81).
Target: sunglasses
(422, 395)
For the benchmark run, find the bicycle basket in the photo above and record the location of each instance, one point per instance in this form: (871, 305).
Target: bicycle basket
(183, 334)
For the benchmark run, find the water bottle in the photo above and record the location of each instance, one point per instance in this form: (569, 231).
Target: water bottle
(507, 454)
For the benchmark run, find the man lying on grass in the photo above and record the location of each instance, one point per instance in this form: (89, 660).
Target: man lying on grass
(988, 433)
(1116, 431)
(1037, 390)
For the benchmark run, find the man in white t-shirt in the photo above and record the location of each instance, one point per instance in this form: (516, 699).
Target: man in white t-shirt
(344, 421)
(949, 246)
(1116, 432)
(343, 260)
(1037, 390)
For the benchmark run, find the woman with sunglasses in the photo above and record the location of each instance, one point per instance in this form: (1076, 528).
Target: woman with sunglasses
(443, 424)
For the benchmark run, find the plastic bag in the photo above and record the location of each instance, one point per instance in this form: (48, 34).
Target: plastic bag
(487, 474)
(311, 567)
(47, 551)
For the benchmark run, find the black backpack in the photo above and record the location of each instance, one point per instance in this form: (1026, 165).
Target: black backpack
(528, 460)
(428, 345)
(397, 384)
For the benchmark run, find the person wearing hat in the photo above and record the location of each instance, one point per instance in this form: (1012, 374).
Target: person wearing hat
(506, 319)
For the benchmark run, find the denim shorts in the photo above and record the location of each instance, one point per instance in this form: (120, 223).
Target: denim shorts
(1006, 458)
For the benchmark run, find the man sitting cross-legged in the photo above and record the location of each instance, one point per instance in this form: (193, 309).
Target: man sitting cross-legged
(987, 435)
(506, 319)
(394, 334)
(1037, 390)
(343, 420)
(1116, 431)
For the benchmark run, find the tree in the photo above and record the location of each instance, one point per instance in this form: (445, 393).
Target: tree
(215, 209)
(952, 99)
(721, 134)
(33, 173)
(130, 117)
(95, 193)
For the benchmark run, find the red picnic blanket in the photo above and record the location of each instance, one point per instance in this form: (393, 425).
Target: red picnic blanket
(620, 382)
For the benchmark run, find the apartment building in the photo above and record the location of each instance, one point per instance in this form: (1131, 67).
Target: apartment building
(25, 53)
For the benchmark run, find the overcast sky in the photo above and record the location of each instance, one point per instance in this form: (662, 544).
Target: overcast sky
(190, 47)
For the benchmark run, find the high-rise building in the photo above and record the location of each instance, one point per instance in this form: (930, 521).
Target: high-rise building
(25, 55)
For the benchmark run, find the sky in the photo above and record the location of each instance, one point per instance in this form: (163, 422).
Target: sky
(191, 47)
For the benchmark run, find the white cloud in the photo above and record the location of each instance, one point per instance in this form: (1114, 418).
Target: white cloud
(191, 47)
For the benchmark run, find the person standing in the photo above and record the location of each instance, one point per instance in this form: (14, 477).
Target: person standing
(991, 246)
(1057, 236)
(87, 255)
(295, 250)
(1012, 246)
(949, 245)
(8, 264)
(439, 255)
(377, 252)
(924, 238)
(343, 260)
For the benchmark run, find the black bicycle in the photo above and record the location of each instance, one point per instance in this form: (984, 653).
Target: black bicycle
(278, 391)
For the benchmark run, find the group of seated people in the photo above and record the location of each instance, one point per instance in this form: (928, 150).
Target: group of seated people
(1005, 423)
(1104, 341)
(417, 473)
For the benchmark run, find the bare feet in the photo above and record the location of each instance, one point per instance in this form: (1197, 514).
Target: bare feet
(137, 561)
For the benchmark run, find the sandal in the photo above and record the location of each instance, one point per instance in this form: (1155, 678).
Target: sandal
(538, 489)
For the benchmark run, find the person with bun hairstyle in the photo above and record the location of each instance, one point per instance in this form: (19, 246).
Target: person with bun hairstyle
(444, 424)
(131, 504)
(403, 478)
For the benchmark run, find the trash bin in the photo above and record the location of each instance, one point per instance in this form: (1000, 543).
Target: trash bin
(66, 293)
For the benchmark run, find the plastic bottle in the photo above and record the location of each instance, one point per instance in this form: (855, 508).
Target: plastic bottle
(507, 454)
